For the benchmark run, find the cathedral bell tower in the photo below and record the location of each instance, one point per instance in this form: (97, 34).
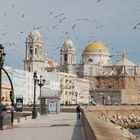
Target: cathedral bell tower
(34, 52)
(67, 53)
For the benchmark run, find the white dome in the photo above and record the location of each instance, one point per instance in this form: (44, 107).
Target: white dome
(35, 33)
(68, 44)
(124, 62)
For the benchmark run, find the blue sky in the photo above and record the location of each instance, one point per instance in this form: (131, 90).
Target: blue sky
(83, 21)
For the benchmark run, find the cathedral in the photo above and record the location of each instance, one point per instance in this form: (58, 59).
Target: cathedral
(117, 83)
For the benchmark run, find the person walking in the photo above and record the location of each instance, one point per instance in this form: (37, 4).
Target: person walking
(78, 111)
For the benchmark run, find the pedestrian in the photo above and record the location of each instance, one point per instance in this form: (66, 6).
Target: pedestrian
(78, 111)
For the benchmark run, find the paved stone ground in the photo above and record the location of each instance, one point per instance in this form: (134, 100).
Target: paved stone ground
(62, 126)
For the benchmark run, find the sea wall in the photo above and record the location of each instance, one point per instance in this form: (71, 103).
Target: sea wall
(112, 121)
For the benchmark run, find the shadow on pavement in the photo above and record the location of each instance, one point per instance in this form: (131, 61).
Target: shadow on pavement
(79, 131)
(82, 130)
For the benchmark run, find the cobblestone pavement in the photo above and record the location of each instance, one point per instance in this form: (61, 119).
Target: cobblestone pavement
(62, 126)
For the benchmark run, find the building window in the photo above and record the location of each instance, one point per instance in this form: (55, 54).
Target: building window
(29, 69)
(31, 50)
(90, 60)
(65, 57)
(35, 50)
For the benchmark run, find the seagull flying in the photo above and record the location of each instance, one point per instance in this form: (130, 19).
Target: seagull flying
(136, 25)
(59, 15)
(51, 13)
(73, 26)
(22, 15)
(61, 19)
(13, 5)
(83, 19)
(54, 26)
(98, 1)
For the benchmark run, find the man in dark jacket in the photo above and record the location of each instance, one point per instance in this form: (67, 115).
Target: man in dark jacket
(78, 111)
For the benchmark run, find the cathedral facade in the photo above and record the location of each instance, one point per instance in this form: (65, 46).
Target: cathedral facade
(117, 83)
(109, 83)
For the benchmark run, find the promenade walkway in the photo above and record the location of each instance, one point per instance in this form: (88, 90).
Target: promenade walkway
(62, 126)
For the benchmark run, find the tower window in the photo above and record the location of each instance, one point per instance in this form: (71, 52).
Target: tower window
(90, 60)
(65, 57)
(35, 50)
(31, 50)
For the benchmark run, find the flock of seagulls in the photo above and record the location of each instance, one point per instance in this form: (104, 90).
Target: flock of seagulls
(61, 18)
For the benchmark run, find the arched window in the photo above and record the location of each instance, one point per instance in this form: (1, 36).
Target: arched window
(65, 57)
(35, 51)
(31, 50)
(90, 60)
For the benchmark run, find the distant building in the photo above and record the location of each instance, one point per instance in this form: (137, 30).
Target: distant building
(82, 91)
(29, 83)
(22, 83)
(73, 90)
(52, 84)
(67, 88)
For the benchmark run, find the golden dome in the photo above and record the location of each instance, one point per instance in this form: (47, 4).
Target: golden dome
(96, 47)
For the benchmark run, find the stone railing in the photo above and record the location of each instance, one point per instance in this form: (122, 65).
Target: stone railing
(105, 122)
(90, 135)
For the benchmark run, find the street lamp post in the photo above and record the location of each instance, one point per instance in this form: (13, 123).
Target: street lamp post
(34, 112)
(41, 82)
(2, 57)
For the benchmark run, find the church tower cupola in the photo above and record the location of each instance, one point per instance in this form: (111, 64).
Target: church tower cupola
(34, 50)
(67, 53)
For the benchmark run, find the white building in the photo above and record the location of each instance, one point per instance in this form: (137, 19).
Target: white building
(30, 88)
(52, 84)
(73, 90)
(82, 91)
(21, 83)
(67, 88)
